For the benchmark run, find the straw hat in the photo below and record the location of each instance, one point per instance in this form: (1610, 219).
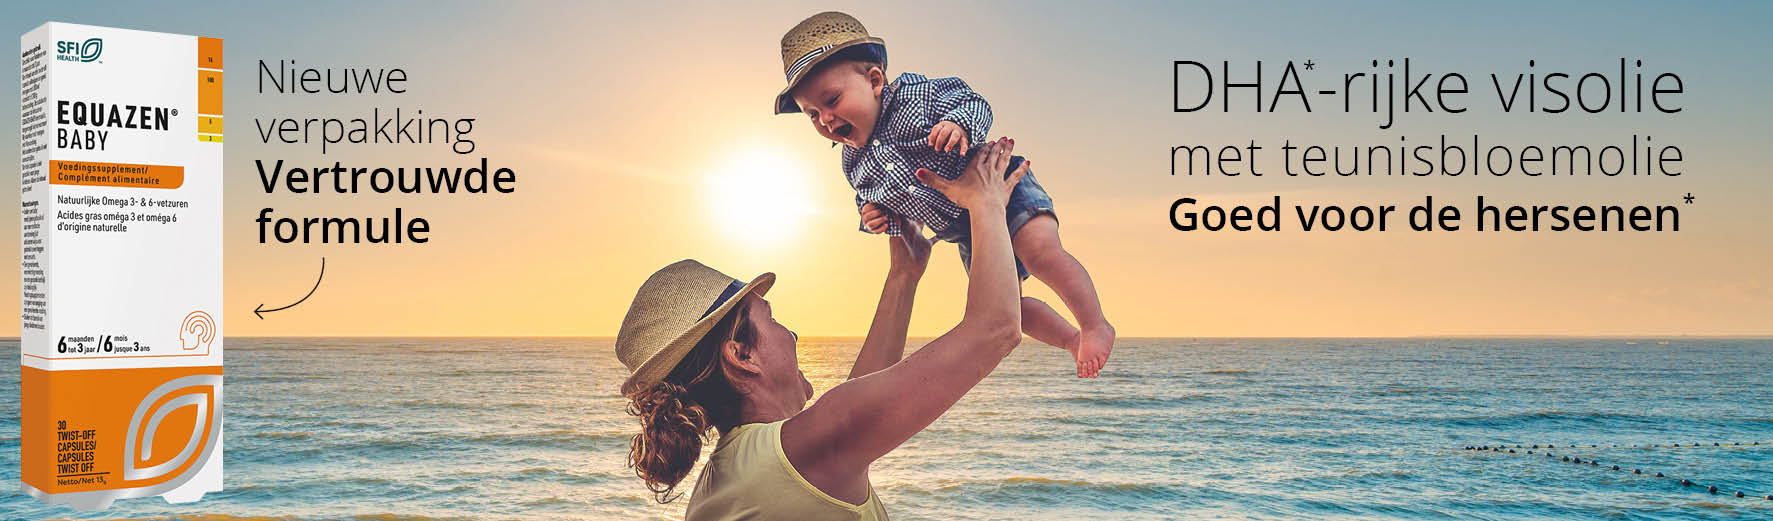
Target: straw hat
(674, 309)
(817, 38)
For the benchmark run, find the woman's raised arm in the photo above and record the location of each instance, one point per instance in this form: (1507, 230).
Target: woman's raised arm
(885, 344)
(833, 442)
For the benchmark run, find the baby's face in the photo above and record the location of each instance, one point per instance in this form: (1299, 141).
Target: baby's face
(842, 101)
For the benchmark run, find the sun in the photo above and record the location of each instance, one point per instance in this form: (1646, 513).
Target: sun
(760, 196)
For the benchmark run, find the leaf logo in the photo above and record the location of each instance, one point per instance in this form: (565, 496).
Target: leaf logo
(90, 50)
(200, 391)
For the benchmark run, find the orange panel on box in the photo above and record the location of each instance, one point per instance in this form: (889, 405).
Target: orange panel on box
(84, 417)
(209, 92)
(209, 124)
(209, 53)
(93, 173)
(36, 433)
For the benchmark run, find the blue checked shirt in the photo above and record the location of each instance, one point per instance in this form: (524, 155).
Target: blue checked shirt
(882, 171)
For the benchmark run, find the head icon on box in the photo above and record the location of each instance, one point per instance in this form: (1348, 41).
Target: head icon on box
(197, 330)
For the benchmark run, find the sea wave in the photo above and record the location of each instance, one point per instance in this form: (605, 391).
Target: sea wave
(1030, 485)
(285, 435)
(203, 517)
(230, 517)
(403, 517)
(1545, 415)
(553, 437)
(1137, 402)
(436, 404)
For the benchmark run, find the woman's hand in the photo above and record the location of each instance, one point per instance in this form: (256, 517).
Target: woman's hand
(874, 218)
(910, 252)
(982, 184)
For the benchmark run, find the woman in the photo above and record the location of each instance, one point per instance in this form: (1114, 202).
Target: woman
(705, 353)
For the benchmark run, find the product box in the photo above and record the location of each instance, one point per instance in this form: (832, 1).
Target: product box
(121, 213)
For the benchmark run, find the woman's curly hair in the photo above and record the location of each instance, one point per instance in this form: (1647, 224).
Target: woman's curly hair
(676, 413)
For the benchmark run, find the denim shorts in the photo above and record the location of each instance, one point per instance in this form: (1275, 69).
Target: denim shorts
(1027, 201)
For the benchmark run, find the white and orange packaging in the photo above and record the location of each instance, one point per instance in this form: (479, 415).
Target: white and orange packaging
(121, 214)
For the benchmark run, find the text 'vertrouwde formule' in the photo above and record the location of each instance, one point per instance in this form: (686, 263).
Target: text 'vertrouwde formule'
(377, 126)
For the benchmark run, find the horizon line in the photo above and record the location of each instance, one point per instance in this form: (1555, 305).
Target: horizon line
(1751, 336)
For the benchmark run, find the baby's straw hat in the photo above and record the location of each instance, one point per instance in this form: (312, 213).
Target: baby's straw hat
(674, 309)
(813, 40)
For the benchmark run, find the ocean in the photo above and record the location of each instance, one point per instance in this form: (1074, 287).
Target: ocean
(532, 428)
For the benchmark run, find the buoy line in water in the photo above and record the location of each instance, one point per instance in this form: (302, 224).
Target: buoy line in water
(1713, 489)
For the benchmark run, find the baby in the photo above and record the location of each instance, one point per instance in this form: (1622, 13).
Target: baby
(919, 126)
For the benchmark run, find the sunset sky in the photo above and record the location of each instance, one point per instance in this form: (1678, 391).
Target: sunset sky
(641, 135)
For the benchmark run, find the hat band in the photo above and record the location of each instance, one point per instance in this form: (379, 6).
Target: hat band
(806, 59)
(731, 289)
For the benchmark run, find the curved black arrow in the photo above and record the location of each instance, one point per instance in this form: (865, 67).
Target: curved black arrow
(260, 311)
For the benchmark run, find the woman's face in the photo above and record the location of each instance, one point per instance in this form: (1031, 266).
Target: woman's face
(780, 362)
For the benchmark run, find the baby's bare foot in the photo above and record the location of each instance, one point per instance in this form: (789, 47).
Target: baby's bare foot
(1095, 343)
(1072, 346)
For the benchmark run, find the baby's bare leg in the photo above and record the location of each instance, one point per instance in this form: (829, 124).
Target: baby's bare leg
(1041, 322)
(1037, 244)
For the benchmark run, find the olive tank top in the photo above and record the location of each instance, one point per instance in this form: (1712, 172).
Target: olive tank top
(748, 477)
